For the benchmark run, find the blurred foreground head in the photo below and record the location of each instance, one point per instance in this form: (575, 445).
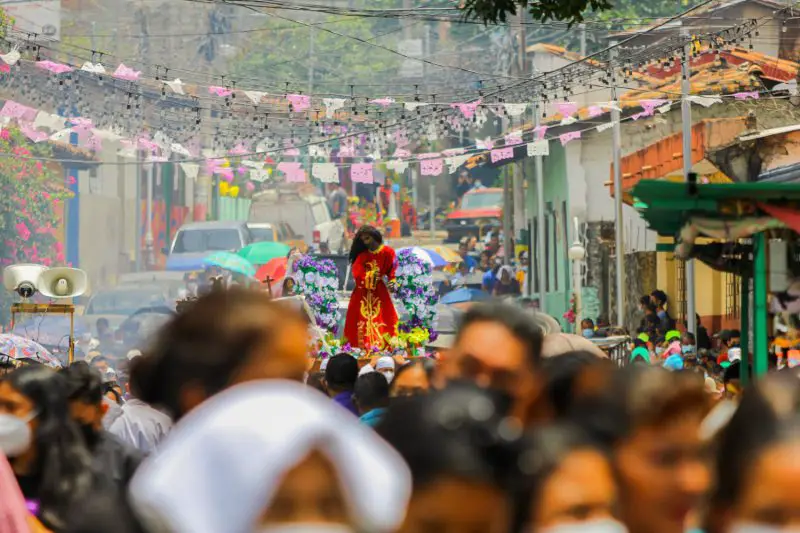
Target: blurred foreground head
(498, 347)
(271, 456)
(757, 461)
(223, 338)
(463, 452)
(651, 419)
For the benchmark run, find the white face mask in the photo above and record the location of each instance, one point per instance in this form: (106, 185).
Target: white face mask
(15, 434)
(755, 528)
(389, 375)
(307, 528)
(594, 526)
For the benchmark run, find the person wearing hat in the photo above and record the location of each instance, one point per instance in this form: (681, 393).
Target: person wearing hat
(640, 355)
(386, 366)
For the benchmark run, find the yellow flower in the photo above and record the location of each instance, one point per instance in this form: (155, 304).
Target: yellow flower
(234, 191)
(224, 188)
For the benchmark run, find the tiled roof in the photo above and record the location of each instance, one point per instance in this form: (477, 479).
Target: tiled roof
(728, 72)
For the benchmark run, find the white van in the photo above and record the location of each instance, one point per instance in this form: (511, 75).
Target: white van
(308, 216)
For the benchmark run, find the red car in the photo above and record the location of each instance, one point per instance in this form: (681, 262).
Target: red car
(480, 210)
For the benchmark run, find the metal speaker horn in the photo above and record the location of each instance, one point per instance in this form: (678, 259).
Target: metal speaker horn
(23, 278)
(63, 282)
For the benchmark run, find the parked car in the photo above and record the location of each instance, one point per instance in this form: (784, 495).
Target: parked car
(197, 240)
(480, 210)
(171, 282)
(138, 329)
(309, 216)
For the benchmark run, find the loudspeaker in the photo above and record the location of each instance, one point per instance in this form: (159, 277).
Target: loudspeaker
(63, 282)
(23, 278)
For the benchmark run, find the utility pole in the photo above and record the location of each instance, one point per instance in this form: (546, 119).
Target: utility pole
(686, 119)
(541, 255)
(148, 223)
(583, 39)
(619, 220)
(519, 171)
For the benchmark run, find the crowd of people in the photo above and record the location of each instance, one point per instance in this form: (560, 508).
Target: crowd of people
(222, 427)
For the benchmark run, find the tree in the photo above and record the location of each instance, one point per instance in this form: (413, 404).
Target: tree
(329, 53)
(30, 193)
(494, 11)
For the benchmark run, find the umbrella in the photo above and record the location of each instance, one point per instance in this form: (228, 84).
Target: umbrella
(427, 255)
(261, 253)
(472, 279)
(274, 269)
(448, 254)
(22, 349)
(231, 262)
(50, 330)
(464, 295)
(556, 344)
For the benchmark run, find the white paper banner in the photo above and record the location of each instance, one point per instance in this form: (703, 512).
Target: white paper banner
(254, 96)
(397, 165)
(455, 162)
(176, 85)
(604, 127)
(49, 121)
(318, 150)
(332, 105)
(259, 174)
(538, 148)
(569, 120)
(191, 170)
(515, 110)
(325, 172)
(705, 101)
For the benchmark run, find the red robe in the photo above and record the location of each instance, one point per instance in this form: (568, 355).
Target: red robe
(371, 313)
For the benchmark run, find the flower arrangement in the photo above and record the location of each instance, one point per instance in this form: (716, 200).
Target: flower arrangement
(414, 280)
(318, 281)
(572, 312)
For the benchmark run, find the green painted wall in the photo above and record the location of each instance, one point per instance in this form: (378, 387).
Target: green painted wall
(234, 209)
(556, 198)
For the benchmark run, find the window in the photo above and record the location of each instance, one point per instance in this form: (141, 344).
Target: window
(262, 234)
(733, 284)
(206, 240)
(482, 200)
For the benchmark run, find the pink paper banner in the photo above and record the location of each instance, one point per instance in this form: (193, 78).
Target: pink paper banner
(467, 109)
(16, 110)
(52, 66)
(299, 102)
(595, 111)
(539, 132)
(126, 73)
(431, 167)
(749, 95)
(567, 137)
(361, 173)
(31, 133)
(401, 137)
(293, 171)
(500, 154)
(566, 109)
(429, 155)
(220, 91)
(513, 139)
(383, 102)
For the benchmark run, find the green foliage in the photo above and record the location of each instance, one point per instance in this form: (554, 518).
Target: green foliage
(29, 192)
(572, 11)
(280, 54)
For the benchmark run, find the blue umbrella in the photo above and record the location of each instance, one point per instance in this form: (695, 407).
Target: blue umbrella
(463, 295)
(427, 255)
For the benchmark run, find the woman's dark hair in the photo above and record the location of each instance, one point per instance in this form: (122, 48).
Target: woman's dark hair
(371, 391)
(459, 431)
(548, 448)
(206, 346)
(62, 459)
(522, 325)
(659, 296)
(560, 375)
(428, 365)
(84, 383)
(766, 416)
(644, 300)
(358, 245)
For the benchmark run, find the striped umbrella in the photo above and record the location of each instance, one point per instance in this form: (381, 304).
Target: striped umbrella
(428, 256)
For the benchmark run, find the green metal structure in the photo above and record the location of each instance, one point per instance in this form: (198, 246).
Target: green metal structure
(669, 206)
